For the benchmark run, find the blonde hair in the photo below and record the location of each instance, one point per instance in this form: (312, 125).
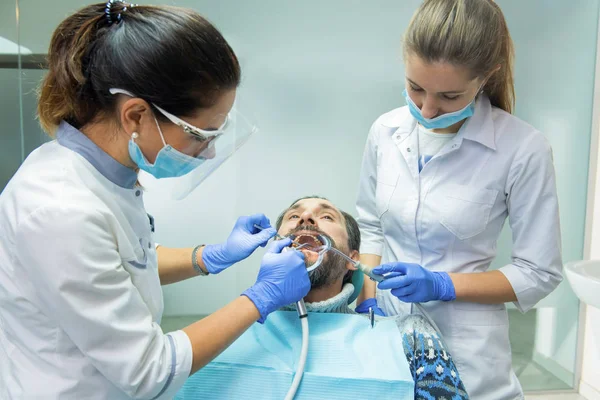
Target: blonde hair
(469, 33)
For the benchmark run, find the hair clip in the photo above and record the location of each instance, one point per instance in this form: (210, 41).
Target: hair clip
(108, 9)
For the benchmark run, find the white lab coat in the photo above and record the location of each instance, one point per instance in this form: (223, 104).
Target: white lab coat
(80, 296)
(449, 217)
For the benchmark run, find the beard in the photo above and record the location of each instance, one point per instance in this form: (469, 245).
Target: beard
(332, 267)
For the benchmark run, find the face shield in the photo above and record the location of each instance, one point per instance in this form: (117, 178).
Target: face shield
(207, 151)
(216, 147)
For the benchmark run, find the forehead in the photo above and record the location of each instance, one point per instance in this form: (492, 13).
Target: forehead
(315, 205)
(210, 118)
(439, 76)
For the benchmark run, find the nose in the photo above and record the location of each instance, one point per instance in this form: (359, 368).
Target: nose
(307, 218)
(208, 152)
(429, 108)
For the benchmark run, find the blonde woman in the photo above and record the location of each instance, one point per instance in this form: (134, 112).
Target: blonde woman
(439, 179)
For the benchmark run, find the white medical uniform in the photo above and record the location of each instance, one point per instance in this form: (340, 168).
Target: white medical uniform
(448, 218)
(80, 296)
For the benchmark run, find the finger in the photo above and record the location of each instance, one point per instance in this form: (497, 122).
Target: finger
(278, 245)
(404, 291)
(395, 283)
(264, 236)
(300, 254)
(390, 267)
(257, 219)
(389, 275)
(415, 297)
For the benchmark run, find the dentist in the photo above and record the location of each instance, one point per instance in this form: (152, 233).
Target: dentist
(128, 88)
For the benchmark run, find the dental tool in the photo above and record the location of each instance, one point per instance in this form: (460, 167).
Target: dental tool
(365, 269)
(277, 235)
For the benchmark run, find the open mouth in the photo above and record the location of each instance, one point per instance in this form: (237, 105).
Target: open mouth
(309, 243)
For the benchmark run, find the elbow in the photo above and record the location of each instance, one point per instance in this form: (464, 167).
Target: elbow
(532, 282)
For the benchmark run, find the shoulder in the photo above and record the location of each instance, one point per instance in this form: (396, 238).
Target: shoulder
(49, 192)
(513, 132)
(395, 118)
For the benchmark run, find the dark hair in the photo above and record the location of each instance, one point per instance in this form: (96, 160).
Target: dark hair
(168, 56)
(351, 228)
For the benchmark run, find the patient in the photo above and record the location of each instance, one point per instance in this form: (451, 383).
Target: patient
(433, 372)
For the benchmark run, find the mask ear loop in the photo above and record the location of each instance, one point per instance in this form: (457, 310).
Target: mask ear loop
(160, 132)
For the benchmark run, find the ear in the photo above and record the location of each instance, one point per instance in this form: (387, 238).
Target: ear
(135, 113)
(355, 255)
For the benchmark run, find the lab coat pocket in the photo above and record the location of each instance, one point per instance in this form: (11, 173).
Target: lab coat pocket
(386, 184)
(466, 210)
(483, 329)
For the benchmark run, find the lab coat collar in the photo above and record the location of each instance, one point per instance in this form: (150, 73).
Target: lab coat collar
(479, 128)
(111, 169)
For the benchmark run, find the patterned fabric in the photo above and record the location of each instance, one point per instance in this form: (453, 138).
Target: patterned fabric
(434, 372)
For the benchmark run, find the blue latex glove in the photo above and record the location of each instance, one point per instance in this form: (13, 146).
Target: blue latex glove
(242, 242)
(363, 308)
(282, 279)
(412, 283)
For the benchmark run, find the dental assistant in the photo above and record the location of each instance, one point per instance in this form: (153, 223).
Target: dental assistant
(128, 88)
(439, 179)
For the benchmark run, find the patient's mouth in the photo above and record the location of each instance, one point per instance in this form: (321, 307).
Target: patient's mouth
(309, 244)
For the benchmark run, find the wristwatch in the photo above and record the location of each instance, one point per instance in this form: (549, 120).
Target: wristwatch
(195, 260)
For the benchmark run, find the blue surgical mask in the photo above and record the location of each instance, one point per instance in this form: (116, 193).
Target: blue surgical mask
(441, 121)
(169, 162)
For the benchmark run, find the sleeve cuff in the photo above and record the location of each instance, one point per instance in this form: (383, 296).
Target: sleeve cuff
(181, 363)
(525, 298)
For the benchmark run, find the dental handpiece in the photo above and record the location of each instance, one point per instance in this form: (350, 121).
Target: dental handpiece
(365, 269)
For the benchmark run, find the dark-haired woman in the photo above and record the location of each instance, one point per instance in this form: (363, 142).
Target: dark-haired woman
(128, 88)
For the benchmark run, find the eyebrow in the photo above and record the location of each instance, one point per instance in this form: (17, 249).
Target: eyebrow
(449, 92)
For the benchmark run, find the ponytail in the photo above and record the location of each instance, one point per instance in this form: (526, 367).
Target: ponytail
(64, 85)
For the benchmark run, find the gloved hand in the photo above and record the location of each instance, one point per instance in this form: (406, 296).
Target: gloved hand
(242, 242)
(282, 279)
(412, 283)
(363, 308)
